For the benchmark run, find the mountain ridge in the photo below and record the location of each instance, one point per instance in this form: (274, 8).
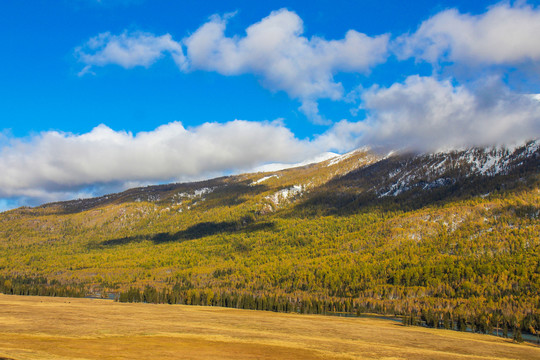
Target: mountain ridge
(438, 170)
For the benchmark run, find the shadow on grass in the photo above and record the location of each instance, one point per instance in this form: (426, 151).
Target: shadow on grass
(194, 232)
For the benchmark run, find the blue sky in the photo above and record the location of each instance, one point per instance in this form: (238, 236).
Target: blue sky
(97, 96)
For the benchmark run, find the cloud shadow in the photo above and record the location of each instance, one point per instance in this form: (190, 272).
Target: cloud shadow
(194, 232)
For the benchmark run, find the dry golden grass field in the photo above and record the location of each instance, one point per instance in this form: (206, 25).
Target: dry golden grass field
(66, 328)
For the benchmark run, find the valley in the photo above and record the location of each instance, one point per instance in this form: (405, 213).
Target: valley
(447, 240)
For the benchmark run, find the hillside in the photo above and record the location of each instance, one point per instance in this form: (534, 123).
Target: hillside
(448, 239)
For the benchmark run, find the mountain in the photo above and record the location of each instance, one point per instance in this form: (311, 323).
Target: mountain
(441, 238)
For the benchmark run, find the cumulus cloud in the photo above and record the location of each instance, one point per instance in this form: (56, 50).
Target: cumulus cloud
(55, 165)
(128, 50)
(426, 114)
(421, 113)
(275, 50)
(503, 35)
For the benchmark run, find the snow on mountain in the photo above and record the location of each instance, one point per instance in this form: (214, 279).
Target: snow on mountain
(341, 158)
(429, 171)
(281, 166)
(285, 194)
(263, 179)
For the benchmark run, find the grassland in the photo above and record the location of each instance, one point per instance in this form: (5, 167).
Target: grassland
(67, 328)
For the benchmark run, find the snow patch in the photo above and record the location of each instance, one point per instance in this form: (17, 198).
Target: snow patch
(390, 154)
(203, 191)
(197, 193)
(281, 166)
(443, 169)
(264, 179)
(339, 158)
(285, 194)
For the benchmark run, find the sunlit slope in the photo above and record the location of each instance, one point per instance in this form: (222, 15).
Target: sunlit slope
(72, 240)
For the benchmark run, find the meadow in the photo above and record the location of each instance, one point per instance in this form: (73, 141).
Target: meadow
(34, 327)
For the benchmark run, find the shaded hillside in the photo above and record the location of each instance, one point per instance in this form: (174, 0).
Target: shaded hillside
(409, 181)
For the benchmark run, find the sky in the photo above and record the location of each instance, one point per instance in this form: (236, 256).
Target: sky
(100, 96)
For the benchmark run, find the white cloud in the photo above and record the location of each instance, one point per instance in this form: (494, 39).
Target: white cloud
(128, 50)
(425, 114)
(503, 35)
(86, 70)
(275, 51)
(343, 136)
(55, 165)
(421, 114)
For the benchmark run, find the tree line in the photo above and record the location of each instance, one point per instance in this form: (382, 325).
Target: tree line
(39, 286)
(460, 318)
